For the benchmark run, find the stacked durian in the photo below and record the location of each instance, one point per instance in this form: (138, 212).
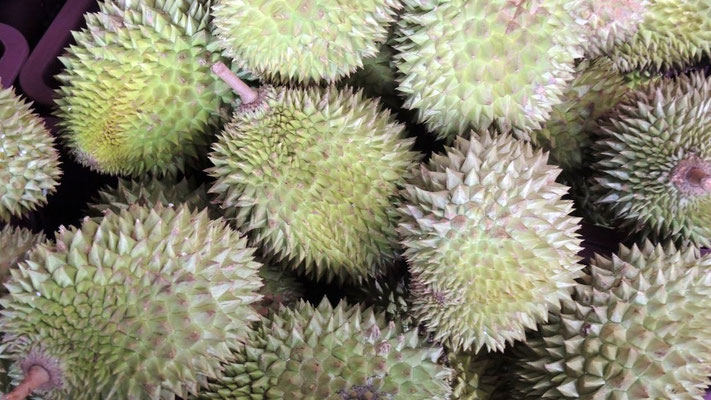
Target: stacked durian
(276, 232)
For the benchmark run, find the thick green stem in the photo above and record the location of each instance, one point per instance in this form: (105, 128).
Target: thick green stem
(36, 377)
(246, 93)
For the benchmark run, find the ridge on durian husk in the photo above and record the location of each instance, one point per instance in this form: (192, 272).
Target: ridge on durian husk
(15, 245)
(320, 40)
(332, 353)
(280, 287)
(143, 304)
(608, 23)
(491, 244)
(29, 162)
(637, 329)
(649, 141)
(674, 34)
(474, 63)
(137, 94)
(312, 176)
(149, 192)
(570, 131)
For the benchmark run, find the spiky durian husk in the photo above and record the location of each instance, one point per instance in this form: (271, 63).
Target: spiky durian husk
(282, 41)
(476, 376)
(149, 192)
(346, 352)
(29, 163)
(377, 76)
(388, 294)
(570, 131)
(638, 329)
(490, 242)
(673, 34)
(471, 63)
(15, 245)
(312, 175)
(649, 137)
(137, 93)
(608, 23)
(144, 304)
(280, 287)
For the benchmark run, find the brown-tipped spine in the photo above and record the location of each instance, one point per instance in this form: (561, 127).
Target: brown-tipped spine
(36, 377)
(246, 93)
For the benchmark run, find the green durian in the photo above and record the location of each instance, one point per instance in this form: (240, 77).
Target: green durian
(149, 191)
(302, 41)
(654, 168)
(674, 34)
(389, 294)
(332, 353)
(476, 376)
(137, 94)
(15, 245)
(608, 23)
(29, 162)
(144, 304)
(491, 244)
(312, 176)
(377, 77)
(471, 63)
(638, 329)
(279, 287)
(569, 132)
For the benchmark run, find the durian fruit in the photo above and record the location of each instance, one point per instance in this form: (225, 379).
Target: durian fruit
(654, 169)
(279, 287)
(389, 294)
(491, 244)
(302, 41)
(570, 131)
(148, 191)
(332, 353)
(674, 34)
(312, 176)
(608, 23)
(377, 77)
(476, 376)
(471, 63)
(144, 304)
(638, 329)
(15, 245)
(137, 94)
(29, 162)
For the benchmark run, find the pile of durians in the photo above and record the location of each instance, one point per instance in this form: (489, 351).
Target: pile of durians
(297, 113)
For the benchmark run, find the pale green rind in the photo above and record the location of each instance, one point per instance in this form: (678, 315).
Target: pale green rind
(645, 139)
(312, 176)
(491, 244)
(674, 34)
(149, 192)
(471, 63)
(637, 329)
(302, 41)
(15, 245)
(137, 94)
(332, 353)
(608, 23)
(476, 376)
(144, 304)
(29, 162)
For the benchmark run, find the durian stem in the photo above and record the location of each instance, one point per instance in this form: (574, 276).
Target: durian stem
(36, 377)
(698, 177)
(246, 93)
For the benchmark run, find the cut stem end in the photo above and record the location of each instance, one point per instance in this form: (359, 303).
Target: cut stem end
(246, 93)
(36, 377)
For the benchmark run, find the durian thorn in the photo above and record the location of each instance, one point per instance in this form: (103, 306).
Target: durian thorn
(698, 177)
(246, 93)
(36, 377)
